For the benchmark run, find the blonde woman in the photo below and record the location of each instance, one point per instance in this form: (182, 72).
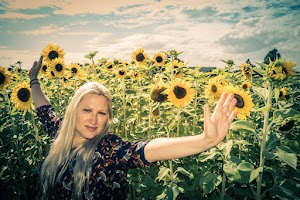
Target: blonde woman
(86, 161)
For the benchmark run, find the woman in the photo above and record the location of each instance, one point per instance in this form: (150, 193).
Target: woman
(86, 161)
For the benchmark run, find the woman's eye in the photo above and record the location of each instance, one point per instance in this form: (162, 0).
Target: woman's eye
(87, 110)
(102, 113)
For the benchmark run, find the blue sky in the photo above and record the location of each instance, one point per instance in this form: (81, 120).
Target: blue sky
(206, 31)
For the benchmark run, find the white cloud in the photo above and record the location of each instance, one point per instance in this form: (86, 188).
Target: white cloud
(45, 30)
(14, 15)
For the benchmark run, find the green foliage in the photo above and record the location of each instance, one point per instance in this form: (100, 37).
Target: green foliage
(258, 159)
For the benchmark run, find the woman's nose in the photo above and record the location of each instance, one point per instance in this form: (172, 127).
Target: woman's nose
(93, 118)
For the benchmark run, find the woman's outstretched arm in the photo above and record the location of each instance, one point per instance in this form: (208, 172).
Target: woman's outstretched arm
(38, 96)
(215, 130)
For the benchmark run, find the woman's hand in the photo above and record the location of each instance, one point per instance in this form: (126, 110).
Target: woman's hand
(216, 126)
(34, 71)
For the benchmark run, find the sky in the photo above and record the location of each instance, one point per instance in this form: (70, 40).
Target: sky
(205, 31)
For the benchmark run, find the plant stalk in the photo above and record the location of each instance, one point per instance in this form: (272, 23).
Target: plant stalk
(263, 142)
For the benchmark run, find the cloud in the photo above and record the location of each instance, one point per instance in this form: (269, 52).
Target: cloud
(10, 57)
(14, 15)
(45, 30)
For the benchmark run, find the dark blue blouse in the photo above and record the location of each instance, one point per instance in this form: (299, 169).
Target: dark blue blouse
(112, 159)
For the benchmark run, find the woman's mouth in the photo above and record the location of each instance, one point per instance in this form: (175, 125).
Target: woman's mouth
(90, 128)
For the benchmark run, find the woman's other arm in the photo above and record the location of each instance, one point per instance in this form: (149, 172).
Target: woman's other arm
(215, 130)
(38, 96)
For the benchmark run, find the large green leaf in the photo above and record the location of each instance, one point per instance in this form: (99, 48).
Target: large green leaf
(226, 147)
(184, 172)
(207, 155)
(209, 182)
(242, 125)
(230, 170)
(287, 155)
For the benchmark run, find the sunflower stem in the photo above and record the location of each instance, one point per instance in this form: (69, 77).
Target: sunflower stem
(37, 137)
(124, 108)
(263, 142)
(16, 143)
(150, 118)
(178, 121)
(195, 108)
(224, 174)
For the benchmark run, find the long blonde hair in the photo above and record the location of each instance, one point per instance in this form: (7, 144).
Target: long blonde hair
(61, 154)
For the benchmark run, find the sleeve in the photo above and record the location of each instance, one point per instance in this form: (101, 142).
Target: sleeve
(131, 154)
(49, 119)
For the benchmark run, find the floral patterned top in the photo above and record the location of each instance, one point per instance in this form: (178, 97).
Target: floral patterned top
(112, 159)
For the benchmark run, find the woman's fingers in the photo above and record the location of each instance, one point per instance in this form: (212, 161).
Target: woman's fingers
(221, 102)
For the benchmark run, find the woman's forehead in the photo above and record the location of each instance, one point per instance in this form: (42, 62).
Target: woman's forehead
(94, 100)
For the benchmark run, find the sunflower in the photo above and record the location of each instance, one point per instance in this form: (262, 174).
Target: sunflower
(4, 77)
(21, 96)
(280, 69)
(214, 89)
(109, 65)
(140, 57)
(277, 73)
(244, 101)
(155, 113)
(286, 125)
(246, 85)
(58, 67)
(282, 93)
(246, 70)
(45, 68)
(136, 75)
(180, 93)
(75, 71)
(159, 59)
(288, 67)
(157, 94)
(121, 73)
(52, 51)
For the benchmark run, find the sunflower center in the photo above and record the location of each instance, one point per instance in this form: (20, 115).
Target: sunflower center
(58, 67)
(244, 86)
(240, 101)
(284, 70)
(121, 72)
(44, 68)
(2, 78)
(280, 94)
(74, 70)
(52, 55)
(23, 94)
(140, 57)
(109, 66)
(158, 59)
(179, 92)
(214, 88)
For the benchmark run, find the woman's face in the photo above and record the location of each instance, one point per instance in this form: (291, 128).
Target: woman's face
(91, 117)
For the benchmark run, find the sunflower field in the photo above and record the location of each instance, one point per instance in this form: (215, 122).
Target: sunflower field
(159, 96)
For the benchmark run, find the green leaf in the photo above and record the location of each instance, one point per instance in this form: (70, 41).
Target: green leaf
(243, 173)
(286, 113)
(209, 182)
(173, 192)
(255, 173)
(245, 166)
(184, 172)
(163, 171)
(287, 155)
(203, 157)
(263, 92)
(230, 170)
(243, 125)
(226, 147)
